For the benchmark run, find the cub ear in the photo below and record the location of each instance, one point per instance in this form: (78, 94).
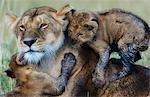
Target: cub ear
(64, 10)
(62, 15)
(10, 73)
(10, 19)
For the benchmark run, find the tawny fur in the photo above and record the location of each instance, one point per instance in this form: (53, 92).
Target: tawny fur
(78, 84)
(114, 30)
(113, 26)
(35, 83)
(134, 85)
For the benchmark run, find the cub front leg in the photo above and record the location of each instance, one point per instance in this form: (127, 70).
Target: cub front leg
(67, 64)
(58, 84)
(99, 74)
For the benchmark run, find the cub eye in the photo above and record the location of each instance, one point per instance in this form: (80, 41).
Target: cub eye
(69, 30)
(29, 68)
(43, 26)
(88, 27)
(94, 20)
(22, 28)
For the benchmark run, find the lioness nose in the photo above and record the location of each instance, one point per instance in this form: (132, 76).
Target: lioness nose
(30, 42)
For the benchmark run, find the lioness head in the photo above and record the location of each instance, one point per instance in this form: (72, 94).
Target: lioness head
(38, 32)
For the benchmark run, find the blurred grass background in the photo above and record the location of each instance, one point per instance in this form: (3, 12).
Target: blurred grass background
(7, 39)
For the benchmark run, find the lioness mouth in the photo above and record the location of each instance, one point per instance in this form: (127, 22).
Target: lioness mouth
(31, 50)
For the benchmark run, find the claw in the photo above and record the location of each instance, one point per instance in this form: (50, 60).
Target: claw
(98, 82)
(68, 63)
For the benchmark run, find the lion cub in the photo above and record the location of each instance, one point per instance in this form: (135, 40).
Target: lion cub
(114, 30)
(31, 82)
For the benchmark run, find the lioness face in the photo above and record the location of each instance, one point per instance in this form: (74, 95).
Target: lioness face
(83, 26)
(38, 33)
(38, 36)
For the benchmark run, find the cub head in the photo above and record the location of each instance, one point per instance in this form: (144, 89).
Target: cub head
(82, 26)
(19, 71)
(38, 31)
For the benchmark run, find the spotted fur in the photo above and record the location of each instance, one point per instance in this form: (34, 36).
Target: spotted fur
(105, 32)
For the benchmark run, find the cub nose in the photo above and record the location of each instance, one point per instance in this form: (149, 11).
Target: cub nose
(30, 42)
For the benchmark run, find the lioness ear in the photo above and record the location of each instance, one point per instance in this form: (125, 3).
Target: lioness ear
(10, 19)
(64, 10)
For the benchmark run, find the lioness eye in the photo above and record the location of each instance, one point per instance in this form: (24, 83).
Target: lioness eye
(44, 25)
(22, 28)
(88, 27)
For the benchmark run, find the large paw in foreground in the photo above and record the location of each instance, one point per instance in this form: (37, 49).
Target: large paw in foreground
(68, 63)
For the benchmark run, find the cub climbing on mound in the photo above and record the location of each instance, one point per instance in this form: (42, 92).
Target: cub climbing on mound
(32, 82)
(113, 30)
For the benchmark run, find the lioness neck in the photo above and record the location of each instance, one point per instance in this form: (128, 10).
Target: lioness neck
(47, 63)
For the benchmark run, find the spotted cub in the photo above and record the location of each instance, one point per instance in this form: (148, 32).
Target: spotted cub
(105, 32)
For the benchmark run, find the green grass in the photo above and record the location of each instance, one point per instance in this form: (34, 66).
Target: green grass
(7, 39)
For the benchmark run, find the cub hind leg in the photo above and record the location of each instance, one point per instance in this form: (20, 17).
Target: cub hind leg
(129, 50)
(129, 54)
(99, 74)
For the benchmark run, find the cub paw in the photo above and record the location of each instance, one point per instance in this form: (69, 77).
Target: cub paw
(118, 75)
(98, 80)
(20, 60)
(68, 62)
(69, 57)
(113, 78)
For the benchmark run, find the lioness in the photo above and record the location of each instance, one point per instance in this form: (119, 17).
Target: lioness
(41, 41)
(105, 32)
(27, 78)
